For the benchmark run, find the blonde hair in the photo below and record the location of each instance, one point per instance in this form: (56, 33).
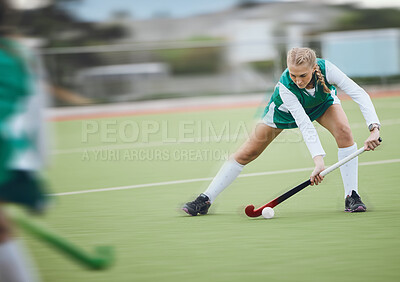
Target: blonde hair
(299, 56)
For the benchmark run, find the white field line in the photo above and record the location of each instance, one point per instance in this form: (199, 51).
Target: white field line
(228, 138)
(209, 179)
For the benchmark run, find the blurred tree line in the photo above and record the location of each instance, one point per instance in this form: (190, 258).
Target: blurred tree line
(190, 61)
(61, 28)
(355, 18)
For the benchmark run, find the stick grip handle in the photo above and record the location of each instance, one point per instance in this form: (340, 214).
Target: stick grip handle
(342, 162)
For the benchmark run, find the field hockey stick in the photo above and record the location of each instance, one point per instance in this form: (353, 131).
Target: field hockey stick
(102, 258)
(252, 212)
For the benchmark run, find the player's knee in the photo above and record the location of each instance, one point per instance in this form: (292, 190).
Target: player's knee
(245, 157)
(344, 137)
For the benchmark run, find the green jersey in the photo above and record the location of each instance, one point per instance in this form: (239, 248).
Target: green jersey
(276, 113)
(14, 87)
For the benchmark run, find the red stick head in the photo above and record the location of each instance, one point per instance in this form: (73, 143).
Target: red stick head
(250, 212)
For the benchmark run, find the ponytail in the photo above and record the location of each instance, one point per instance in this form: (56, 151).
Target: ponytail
(321, 80)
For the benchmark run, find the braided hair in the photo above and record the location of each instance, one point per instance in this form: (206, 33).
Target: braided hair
(299, 56)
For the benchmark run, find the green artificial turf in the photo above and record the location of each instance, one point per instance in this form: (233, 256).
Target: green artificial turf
(309, 239)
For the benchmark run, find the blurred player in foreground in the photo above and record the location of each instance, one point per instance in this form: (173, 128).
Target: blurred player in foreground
(304, 93)
(22, 144)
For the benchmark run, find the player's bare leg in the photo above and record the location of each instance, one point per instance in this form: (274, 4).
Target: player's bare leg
(260, 138)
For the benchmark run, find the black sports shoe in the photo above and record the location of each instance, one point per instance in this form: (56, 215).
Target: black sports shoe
(353, 203)
(200, 205)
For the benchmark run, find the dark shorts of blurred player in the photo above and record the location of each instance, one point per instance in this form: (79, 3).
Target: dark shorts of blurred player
(24, 188)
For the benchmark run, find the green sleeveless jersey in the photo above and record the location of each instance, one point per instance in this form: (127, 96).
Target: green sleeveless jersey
(276, 114)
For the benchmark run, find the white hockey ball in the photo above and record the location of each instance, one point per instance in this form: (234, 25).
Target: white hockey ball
(268, 212)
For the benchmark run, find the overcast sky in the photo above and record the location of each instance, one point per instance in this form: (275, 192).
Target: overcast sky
(98, 10)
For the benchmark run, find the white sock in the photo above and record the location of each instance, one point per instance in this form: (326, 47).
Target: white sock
(349, 170)
(225, 176)
(14, 266)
